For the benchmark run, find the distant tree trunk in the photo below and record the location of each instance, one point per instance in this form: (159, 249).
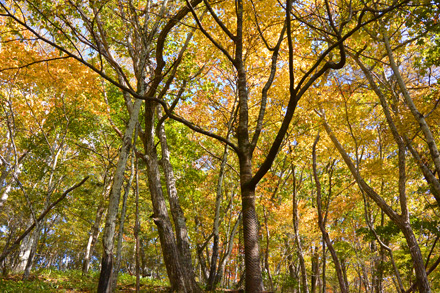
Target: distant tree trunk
(315, 270)
(121, 227)
(295, 220)
(213, 280)
(137, 225)
(324, 263)
(94, 230)
(266, 254)
(104, 285)
(338, 266)
(224, 259)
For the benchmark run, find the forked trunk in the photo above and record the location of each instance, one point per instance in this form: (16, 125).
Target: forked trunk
(178, 273)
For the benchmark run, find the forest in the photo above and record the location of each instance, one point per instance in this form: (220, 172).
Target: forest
(220, 146)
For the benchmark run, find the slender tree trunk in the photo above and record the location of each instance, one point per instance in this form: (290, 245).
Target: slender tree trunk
(266, 255)
(295, 220)
(104, 285)
(121, 227)
(137, 225)
(224, 260)
(338, 266)
(324, 267)
(402, 221)
(94, 231)
(315, 270)
(215, 248)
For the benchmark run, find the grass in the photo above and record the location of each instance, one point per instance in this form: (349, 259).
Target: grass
(73, 281)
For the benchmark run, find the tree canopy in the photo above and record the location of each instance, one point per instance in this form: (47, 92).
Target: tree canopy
(269, 146)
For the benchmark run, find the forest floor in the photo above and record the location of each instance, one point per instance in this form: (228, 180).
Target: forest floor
(73, 281)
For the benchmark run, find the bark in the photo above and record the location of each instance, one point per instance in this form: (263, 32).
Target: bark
(121, 226)
(137, 224)
(324, 263)
(104, 285)
(23, 255)
(35, 236)
(177, 271)
(315, 270)
(254, 280)
(224, 259)
(183, 243)
(432, 146)
(211, 284)
(266, 255)
(94, 230)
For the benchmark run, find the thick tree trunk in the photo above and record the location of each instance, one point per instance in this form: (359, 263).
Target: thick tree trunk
(181, 229)
(33, 250)
(104, 285)
(23, 254)
(254, 280)
(175, 265)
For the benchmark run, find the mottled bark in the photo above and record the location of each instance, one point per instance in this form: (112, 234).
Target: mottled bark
(176, 267)
(121, 226)
(179, 220)
(104, 285)
(94, 230)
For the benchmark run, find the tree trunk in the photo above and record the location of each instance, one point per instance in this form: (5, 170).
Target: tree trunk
(254, 280)
(177, 273)
(215, 230)
(295, 220)
(104, 285)
(338, 266)
(94, 230)
(315, 270)
(402, 221)
(121, 227)
(183, 244)
(29, 263)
